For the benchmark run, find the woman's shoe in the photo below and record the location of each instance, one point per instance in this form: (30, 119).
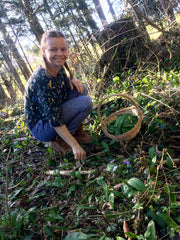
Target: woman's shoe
(60, 146)
(81, 136)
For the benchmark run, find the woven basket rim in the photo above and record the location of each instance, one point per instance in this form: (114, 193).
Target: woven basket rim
(135, 109)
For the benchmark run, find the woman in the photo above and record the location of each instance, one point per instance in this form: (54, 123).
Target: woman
(55, 106)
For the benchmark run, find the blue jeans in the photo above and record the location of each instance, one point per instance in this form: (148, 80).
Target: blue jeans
(75, 110)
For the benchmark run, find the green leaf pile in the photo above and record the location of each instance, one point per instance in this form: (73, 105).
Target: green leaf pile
(122, 124)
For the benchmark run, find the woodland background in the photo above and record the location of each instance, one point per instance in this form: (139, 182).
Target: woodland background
(120, 191)
(84, 23)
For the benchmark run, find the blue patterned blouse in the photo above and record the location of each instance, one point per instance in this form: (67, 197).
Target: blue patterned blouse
(44, 96)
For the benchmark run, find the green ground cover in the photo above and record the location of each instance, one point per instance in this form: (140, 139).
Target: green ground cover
(116, 191)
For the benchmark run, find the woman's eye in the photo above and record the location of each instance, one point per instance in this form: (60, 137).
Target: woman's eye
(53, 49)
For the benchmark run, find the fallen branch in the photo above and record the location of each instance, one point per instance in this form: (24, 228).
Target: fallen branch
(145, 95)
(67, 172)
(23, 138)
(116, 187)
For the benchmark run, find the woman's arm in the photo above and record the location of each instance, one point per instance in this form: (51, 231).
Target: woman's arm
(77, 83)
(64, 133)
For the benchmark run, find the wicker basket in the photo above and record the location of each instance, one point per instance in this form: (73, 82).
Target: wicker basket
(133, 110)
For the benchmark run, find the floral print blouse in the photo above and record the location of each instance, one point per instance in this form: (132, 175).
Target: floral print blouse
(44, 96)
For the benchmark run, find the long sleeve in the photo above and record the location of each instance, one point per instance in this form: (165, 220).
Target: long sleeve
(44, 98)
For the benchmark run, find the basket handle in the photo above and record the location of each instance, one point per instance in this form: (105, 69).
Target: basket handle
(117, 94)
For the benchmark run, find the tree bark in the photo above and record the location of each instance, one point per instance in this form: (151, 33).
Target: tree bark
(56, 24)
(85, 10)
(12, 69)
(8, 85)
(3, 96)
(32, 19)
(11, 45)
(80, 35)
(100, 12)
(111, 10)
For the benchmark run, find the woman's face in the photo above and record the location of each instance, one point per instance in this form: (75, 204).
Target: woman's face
(55, 51)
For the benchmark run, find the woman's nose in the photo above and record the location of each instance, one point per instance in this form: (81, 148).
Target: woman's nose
(59, 52)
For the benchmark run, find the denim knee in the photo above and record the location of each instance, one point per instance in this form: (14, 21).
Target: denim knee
(85, 91)
(88, 103)
(43, 131)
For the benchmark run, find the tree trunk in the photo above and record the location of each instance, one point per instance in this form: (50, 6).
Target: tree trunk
(80, 35)
(85, 10)
(100, 12)
(56, 24)
(3, 96)
(12, 69)
(32, 19)
(8, 85)
(111, 10)
(11, 46)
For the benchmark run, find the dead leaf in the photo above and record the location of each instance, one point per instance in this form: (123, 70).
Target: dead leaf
(117, 186)
(176, 137)
(106, 206)
(176, 161)
(126, 229)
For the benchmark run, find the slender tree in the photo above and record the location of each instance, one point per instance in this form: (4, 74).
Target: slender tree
(87, 38)
(3, 96)
(33, 21)
(142, 24)
(25, 68)
(111, 10)
(80, 35)
(12, 69)
(100, 12)
(48, 8)
(8, 84)
(11, 45)
(82, 5)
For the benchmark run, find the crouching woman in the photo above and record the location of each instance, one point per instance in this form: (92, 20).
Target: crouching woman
(55, 105)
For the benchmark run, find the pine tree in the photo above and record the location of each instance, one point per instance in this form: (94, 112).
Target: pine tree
(82, 5)
(33, 21)
(8, 84)
(3, 96)
(111, 10)
(11, 45)
(5, 54)
(100, 12)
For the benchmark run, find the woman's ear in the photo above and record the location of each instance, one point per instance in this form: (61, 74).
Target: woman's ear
(43, 51)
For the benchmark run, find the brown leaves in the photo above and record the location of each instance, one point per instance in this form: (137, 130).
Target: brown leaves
(126, 229)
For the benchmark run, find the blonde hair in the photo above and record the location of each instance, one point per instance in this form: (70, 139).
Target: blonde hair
(53, 34)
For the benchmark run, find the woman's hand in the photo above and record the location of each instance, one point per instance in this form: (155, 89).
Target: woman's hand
(75, 82)
(79, 153)
(64, 133)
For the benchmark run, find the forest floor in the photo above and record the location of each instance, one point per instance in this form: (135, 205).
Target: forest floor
(115, 192)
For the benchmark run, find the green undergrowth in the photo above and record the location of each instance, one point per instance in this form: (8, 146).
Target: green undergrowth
(120, 190)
